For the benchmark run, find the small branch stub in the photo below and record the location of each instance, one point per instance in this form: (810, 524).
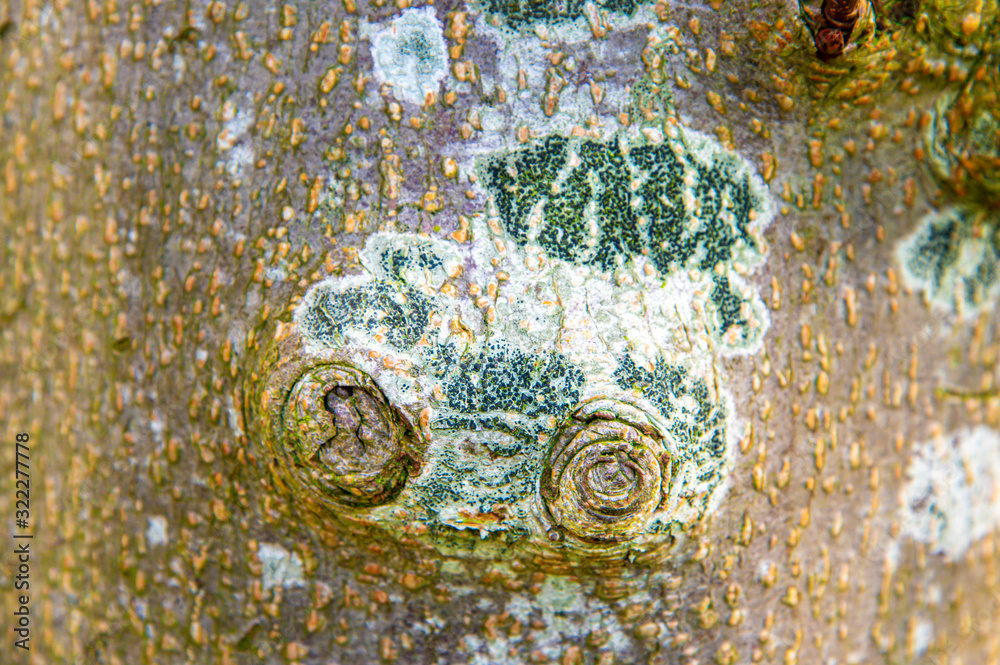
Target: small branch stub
(606, 475)
(343, 434)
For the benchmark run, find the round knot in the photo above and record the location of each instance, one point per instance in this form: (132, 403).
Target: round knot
(830, 42)
(344, 435)
(606, 474)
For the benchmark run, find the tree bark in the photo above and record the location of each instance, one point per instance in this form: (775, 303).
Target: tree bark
(177, 175)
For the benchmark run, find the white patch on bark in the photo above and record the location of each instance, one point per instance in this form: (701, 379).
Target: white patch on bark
(923, 636)
(952, 498)
(156, 533)
(279, 567)
(953, 258)
(410, 54)
(234, 140)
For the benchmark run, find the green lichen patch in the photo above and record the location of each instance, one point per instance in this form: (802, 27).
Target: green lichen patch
(492, 391)
(682, 205)
(734, 312)
(520, 13)
(695, 421)
(462, 489)
(396, 261)
(410, 259)
(523, 178)
(500, 404)
(502, 378)
(396, 312)
(954, 257)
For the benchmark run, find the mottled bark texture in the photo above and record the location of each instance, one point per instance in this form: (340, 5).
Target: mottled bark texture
(174, 176)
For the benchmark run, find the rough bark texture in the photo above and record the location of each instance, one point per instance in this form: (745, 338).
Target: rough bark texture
(175, 175)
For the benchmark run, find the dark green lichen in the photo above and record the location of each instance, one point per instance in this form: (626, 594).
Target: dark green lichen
(519, 13)
(400, 312)
(519, 181)
(501, 378)
(651, 220)
(954, 256)
(696, 424)
(728, 306)
(409, 54)
(566, 233)
(396, 260)
(619, 235)
(459, 478)
(416, 46)
(503, 399)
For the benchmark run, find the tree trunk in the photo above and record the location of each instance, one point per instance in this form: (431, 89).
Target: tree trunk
(719, 312)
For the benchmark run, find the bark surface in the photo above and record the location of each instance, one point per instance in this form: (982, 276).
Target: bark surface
(174, 176)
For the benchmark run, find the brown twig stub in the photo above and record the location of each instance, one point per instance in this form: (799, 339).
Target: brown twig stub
(344, 436)
(838, 21)
(605, 478)
(829, 42)
(842, 14)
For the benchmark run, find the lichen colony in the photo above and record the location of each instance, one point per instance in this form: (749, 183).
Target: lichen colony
(492, 331)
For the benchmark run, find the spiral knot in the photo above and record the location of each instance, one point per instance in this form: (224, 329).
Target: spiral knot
(606, 474)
